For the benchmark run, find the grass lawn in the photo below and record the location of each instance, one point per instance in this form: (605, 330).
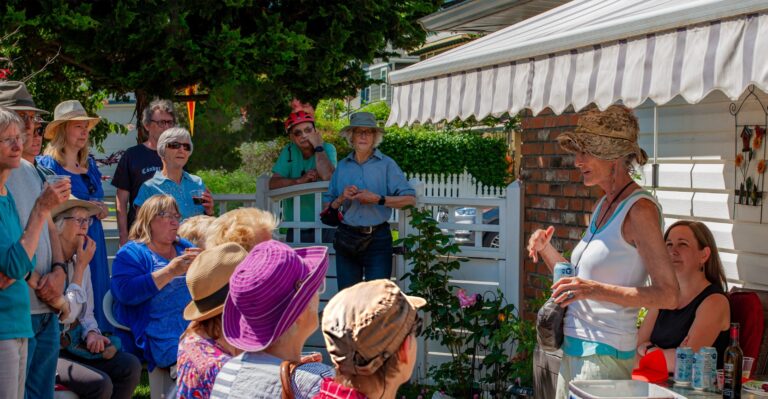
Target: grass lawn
(142, 391)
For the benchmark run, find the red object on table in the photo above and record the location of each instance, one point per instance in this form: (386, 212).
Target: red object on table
(652, 368)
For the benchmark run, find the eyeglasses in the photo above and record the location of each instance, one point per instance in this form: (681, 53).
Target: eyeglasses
(417, 325)
(39, 131)
(299, 132)
(175, 145)
(170, 216)
(10, 141)
(88, 183)
(363, 132)
(80, 221)
(27, 118)
(164, 122)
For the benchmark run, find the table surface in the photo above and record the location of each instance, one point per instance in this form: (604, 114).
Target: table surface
(691, 393)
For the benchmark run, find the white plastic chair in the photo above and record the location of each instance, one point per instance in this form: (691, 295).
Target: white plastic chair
(162, 382)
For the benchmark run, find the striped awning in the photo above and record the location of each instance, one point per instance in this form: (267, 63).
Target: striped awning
(592, 52)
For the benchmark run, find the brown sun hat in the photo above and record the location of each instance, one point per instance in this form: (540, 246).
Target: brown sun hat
(208, 280)
(608, 135)
(74, 202)
(70, 110)
(364, 325)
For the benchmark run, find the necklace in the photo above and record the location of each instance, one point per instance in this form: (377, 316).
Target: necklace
(613, 200)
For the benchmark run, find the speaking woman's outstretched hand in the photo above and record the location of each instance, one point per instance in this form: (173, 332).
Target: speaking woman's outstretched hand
(538, 241)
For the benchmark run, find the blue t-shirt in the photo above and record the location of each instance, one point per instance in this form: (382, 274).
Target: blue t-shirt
(156, 317)
(380, 175)
(15, 318)
(182, 193)
(291, 164)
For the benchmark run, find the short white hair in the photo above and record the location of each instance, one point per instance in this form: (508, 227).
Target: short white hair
(174, 134)
(347, 134)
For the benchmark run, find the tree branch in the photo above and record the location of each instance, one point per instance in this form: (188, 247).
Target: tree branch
(49, 61)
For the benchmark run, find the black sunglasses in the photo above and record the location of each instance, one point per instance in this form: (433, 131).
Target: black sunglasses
(88, 183)
(39, 131)
(175, 145)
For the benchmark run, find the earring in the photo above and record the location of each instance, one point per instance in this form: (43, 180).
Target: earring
(701, 269)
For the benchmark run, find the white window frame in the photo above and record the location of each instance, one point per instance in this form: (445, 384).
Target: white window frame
(383, 86)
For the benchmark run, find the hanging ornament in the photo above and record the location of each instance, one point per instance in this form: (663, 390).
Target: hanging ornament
(746, 135)
(190, 90)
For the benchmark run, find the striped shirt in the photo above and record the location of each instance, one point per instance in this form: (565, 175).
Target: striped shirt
(257, 375)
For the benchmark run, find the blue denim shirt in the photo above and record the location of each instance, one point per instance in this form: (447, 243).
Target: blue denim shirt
(379, 174)
(182, 193)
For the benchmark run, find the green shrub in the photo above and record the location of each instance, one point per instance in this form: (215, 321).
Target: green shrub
(259, 156)
(220, 181)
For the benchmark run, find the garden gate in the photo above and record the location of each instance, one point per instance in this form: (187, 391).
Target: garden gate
(487, 229)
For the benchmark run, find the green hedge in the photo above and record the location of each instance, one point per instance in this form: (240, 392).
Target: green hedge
(427, 151)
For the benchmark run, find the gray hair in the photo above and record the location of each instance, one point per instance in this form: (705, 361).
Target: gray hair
(347, 134)
(9, 118)
(171, 135)
(59, 219)
(157, 105)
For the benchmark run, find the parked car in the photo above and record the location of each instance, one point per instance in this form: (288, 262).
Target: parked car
(468, 215)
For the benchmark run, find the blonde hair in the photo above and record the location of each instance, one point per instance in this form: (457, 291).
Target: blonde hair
(56, 147)
(244, 226)
(195, 229)
(141, 230)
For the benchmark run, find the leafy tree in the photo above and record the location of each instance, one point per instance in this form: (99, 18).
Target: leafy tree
(261, 52)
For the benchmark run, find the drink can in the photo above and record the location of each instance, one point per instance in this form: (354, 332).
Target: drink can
(563, 269)
(711, 355)
(683, 365)
(701, 371)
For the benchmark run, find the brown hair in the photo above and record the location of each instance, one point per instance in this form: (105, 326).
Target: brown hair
(211, 327)
(379, 378)
(56, 147)
(141, 231)
(713, 268)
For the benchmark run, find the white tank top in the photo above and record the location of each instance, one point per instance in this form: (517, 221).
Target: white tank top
(608, 259)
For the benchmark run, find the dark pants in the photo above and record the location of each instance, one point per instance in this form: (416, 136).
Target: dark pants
(100, 379)
(308, 236)
(374, 263)
(41, 356)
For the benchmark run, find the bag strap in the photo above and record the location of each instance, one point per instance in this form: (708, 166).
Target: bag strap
(286, 375)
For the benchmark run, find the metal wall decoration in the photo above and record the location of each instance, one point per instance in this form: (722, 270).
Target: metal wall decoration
(749, 175)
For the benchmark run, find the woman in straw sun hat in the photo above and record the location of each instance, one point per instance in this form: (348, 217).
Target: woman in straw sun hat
(202, 349)
(68, 154)
(370, 332)
(271, 310)
(622, 247)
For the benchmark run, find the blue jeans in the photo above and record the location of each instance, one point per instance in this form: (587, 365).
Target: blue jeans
(41, 356)
(375, 263)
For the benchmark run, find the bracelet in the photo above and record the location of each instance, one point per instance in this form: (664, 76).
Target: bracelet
(63, 267)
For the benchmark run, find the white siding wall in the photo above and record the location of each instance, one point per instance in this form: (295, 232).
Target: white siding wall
(696, 153)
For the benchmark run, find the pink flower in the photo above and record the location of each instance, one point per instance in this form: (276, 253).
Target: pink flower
(5, 73)
(464, 300)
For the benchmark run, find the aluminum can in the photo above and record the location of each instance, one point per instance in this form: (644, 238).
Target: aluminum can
(710, 357)
(563, 269)
(683, 365)
(699, 374)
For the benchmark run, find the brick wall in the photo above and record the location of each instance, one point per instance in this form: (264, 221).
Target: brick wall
(554, 194)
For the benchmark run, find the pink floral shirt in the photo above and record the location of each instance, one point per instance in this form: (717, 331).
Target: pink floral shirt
(199, 361)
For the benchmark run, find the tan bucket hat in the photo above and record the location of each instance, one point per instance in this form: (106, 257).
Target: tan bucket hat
(364, 325)
(70, 110)
(208, 280)
(608, 134)
(74, 202)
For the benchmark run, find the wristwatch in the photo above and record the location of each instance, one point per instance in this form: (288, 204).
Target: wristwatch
(382, 200)
(319, 148)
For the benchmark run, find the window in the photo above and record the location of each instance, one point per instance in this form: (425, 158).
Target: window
(365, 93)
(383, 87)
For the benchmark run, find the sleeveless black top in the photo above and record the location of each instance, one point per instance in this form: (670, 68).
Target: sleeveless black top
(672, 325)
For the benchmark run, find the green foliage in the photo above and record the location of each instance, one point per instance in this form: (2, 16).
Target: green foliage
(266, 52)
(223, 182)
(423, 150)
(468, 325)
(380, 109)
(259, 156)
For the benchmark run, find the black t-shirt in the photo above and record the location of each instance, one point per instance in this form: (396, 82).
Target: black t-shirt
(672, 325)
(137, 165)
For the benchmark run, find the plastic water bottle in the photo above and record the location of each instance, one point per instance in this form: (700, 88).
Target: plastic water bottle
(563, 269)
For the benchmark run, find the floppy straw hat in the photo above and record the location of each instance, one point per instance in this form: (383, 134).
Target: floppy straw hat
(608, 135)
(74, 202)
(364, 325)
(70, 110)
(208, 280)
(361, 119)
(14, 96)
(268, 291)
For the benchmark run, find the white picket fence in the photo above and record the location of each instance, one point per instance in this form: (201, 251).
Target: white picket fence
(456, 186)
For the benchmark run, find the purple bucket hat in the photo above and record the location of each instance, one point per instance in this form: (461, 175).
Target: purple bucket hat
(268, 291)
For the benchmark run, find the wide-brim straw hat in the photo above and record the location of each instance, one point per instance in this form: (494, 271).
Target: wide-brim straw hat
(208, 280)
(608, 135)
(268, 291)
(361, 119)
(70, 110)
(74, 202)
(14, 96)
